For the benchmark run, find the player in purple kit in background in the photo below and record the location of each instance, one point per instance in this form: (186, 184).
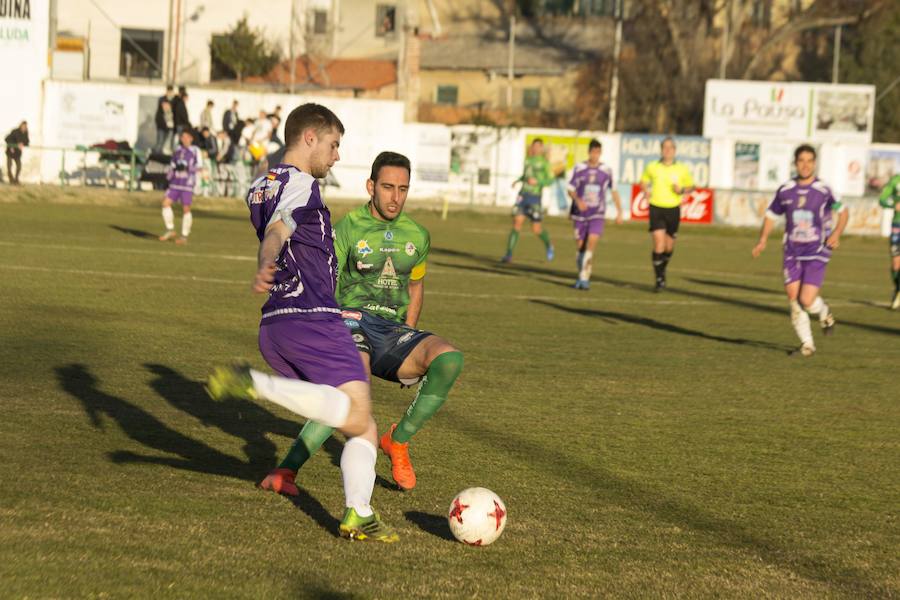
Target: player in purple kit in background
(182, 175)
(808, 206)
(301, 334)
(591, 181)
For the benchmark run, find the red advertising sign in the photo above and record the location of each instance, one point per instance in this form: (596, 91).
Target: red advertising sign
(696, 207)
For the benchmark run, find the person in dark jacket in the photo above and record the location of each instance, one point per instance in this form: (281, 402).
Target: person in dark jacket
(179, 110)
(15, 142)
(165, 121)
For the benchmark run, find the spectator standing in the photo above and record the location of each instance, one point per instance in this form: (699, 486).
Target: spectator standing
(230, 119)
(206, 117)
(165, 126)
(15, 143)
(179, 109)
(210, 150)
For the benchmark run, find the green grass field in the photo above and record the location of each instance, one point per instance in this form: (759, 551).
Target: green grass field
(646, 445)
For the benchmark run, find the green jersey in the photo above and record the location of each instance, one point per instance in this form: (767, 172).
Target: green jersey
(890, 195)
(376, 260)
(537, 168)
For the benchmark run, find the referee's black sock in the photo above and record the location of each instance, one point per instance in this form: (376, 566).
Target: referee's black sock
(667, 256)
(659, 264)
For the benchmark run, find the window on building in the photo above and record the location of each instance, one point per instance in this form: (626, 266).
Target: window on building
(385, 19)
(447, 94)
(140, 53)
(531, 98)
(320, 22)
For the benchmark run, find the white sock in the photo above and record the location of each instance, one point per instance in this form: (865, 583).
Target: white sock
(358, 471)
(168, 218)
(818, 308)
(586, 266)
(186, 221)
(323, 403)
(800, 321)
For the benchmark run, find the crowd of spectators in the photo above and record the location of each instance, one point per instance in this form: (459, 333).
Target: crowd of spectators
(231, 153)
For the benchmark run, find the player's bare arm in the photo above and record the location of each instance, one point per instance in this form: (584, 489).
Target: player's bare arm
(416, 300)
(582, 207)
(834, 240)
(767, 226)
(276, 235)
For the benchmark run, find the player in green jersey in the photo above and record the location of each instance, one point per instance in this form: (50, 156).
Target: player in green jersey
(381, 258)
(890, 199)
(535, 177)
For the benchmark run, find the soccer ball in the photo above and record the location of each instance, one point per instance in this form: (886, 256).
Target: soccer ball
(477, 516)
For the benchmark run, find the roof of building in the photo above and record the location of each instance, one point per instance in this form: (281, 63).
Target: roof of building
(340, 73)
(535, 52)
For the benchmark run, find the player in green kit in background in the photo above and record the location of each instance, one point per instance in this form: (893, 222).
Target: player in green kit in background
(535, 177)
(890, 198)
(382, 254)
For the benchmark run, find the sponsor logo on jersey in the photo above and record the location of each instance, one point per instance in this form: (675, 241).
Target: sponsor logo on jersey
(351, 314)
(361, 266)
(405, 337)
(410, 248)
(362, 248)
(380, 308)
(388, 277)
(388, 250)
(273, 190)
(389, 235)
(257, 197)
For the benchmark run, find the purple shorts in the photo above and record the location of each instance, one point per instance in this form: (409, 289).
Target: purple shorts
(319, 351)
(182, 197)
(589, 227)
(807, 272)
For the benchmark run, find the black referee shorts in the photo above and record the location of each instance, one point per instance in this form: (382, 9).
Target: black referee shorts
(665, 218)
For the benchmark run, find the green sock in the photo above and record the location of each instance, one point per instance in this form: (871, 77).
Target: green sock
(433, 390)
(512, 241)
(545, 237)
(895, 275)
(311, 438)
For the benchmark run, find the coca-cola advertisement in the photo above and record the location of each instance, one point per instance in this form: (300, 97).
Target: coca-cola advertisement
(696, 207)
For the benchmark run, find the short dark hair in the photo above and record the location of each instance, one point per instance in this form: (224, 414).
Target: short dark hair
(537, 141)
(182, 90)
(310, 115)
(804, 148)
(668, 138)
(389, 159)
(594, 143)
(209, 102)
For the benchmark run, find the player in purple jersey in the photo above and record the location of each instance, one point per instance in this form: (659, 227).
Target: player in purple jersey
(182, 175)
(591, 181)
(301, 334)
(810, 235)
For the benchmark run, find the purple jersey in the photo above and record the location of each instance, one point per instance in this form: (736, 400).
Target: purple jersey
(807, 210)
(306, 267)
(591, 184)
(183, 168)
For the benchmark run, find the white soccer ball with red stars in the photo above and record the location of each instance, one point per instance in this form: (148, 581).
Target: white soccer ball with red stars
(477, 516)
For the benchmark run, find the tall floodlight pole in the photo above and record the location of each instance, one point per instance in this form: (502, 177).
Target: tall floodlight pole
(617, 51)
(512, 61)
(291, 50)
(837, 54)
(726, 31)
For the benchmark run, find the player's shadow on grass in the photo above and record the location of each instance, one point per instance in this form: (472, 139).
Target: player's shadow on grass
(734, 286)
(613, 317)
(141, 426)
(243, 419)
(138, 233)
(434, 524)
(629, 494)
